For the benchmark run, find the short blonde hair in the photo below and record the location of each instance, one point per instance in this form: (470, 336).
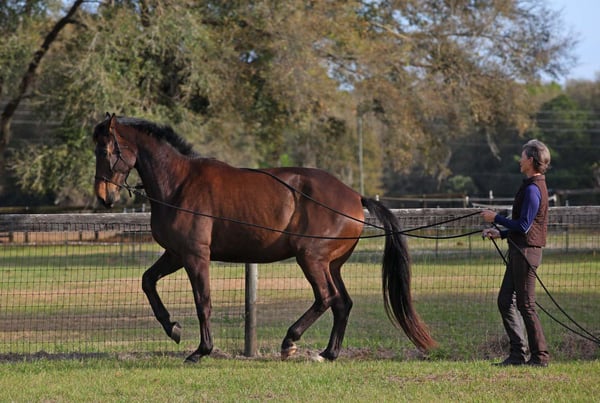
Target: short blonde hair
(539, 152)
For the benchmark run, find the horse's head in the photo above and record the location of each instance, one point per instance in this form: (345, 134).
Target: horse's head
(115, 158)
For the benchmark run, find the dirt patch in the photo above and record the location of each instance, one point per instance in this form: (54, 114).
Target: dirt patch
(572, 346)
(42, 355)
(576, 346)
(302, 355)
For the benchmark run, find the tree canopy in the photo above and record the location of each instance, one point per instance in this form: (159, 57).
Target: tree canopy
(262, 83)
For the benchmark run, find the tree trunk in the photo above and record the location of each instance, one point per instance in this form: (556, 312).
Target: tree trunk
(26, 82)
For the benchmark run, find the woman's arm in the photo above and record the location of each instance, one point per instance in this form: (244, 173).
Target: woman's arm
(529, 209)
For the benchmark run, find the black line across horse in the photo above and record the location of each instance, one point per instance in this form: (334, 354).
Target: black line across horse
(204, 209)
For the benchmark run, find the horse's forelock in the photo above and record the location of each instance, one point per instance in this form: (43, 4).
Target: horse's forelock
(100, 129)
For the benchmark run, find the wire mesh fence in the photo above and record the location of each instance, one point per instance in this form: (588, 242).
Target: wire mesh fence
(72, 284)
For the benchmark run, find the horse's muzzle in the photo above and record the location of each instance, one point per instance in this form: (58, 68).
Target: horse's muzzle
(107, 193)
(106, 203)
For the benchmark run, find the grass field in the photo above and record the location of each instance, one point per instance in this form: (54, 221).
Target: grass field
(163, 379)
(75, 326)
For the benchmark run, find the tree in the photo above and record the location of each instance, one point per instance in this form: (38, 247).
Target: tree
(494, 168)
(571, 132)
(266, 82)
(27, 11)
(586, 95)
(443, 70)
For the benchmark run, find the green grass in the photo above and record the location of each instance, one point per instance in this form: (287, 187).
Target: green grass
(84, 306)
(354, 380)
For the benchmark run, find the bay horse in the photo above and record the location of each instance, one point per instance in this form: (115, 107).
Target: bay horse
(204, 209)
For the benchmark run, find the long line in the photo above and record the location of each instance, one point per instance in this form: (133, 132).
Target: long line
(290, 233)
(591, 337)
(407, 232)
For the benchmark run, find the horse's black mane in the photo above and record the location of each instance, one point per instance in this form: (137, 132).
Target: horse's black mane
(160, 132)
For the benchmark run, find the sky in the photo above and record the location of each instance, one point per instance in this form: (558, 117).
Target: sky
(582, 17)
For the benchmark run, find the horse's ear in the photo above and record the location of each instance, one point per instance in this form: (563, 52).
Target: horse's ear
(112, 123)
(107, 116)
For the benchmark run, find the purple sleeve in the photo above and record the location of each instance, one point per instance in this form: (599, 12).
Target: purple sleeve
(529, 209)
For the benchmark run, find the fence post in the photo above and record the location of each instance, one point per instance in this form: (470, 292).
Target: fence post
(250, 343)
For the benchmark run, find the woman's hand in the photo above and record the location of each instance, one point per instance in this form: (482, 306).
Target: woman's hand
(490, 233)
(488, 215)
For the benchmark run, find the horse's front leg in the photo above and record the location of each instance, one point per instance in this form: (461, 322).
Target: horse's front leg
(198, 271)
(164, 266)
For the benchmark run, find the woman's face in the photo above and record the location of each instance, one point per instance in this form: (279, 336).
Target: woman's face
(526, 164)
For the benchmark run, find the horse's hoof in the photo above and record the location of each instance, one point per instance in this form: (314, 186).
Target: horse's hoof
(317, 358)
(288, 352)
(327, 356)
(176, 332)
(193, 358)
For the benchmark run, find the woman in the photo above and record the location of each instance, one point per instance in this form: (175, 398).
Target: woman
(526, 234)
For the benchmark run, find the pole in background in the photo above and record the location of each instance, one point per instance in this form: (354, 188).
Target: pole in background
(360, 152)
(250, 342)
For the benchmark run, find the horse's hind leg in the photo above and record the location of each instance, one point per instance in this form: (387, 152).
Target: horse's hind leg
(164, 266)
(326, 295)
(340, 307)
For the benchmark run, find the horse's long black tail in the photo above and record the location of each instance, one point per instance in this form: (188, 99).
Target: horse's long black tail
(395, 274)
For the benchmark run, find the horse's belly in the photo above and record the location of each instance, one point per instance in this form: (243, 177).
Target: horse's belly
(245, 252)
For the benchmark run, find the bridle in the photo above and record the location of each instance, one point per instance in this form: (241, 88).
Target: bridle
(113, 166)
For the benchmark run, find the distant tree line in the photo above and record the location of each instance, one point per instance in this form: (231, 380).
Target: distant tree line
(442, 94)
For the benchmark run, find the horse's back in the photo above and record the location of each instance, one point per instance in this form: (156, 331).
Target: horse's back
(268, 188)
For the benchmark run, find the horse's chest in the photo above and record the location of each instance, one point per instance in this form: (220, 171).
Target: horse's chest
(177, 234)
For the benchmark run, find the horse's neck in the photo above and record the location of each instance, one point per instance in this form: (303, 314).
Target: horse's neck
(161, 171)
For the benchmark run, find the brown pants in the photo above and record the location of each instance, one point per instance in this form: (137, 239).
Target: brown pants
(516, 302)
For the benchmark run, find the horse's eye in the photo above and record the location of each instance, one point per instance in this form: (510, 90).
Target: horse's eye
(102, 152)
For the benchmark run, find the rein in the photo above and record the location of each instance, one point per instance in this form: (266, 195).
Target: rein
(134, 190)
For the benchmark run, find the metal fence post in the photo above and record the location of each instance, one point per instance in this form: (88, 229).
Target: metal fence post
(250, 342)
